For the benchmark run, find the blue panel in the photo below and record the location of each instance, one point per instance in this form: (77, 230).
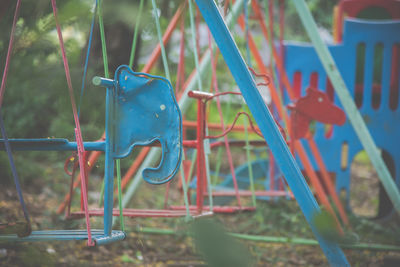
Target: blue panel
(141, 110)
(383, 123)
(146, 111)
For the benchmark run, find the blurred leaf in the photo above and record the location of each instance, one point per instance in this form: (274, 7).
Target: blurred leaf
(217, 247)
(126, 258)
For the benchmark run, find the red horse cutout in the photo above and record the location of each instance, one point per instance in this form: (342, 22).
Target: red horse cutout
(317, 106)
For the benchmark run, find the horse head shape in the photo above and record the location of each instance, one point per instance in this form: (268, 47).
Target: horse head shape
(315, 105)
(143, 111)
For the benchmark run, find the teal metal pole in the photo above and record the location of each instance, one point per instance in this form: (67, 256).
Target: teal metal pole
(348, 104)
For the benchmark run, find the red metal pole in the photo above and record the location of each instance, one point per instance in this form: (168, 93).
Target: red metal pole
(200, 155)
(216, 126)
(327, 180)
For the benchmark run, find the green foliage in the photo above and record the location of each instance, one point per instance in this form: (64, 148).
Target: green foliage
(321, 10)
(327, 228)
(36, 102)
(126, 258)
(6, 171)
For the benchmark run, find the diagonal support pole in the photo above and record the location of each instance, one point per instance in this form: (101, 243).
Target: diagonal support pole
(348, 104)
(267, 125)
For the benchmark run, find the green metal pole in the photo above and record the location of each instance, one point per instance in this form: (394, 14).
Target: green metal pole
(274, 239)
(348, 104)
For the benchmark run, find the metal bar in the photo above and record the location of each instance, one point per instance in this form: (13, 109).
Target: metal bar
(267, 125)
(216, 209)
(217, 127)
(248, 193)
(201, 175)
(348, 104)
(138, 213)
(273, 239)
(37, 145)
(64, 235)
(109, 163)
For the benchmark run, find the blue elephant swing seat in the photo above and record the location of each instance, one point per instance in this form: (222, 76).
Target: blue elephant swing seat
(140, 109)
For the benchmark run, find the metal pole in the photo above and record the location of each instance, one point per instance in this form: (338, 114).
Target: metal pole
(273, 239)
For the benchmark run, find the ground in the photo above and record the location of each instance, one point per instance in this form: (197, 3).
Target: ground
(272, 218)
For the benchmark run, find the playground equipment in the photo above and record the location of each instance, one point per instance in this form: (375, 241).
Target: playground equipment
(145, 124)
(120, 138)
(355, 8)
(281, 112)
(381, 117)
(349, 106)
(224, 190)
(306, 208)
(266, 123)
(249, 90)
(315, 105)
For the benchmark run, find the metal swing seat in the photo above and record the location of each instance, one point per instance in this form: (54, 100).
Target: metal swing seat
(224, 192)
(130, 121)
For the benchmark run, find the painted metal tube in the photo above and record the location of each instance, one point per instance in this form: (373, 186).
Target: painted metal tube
(100, 81)
(64, 235)
(273, 239)
(267, 125)
(348, 104)
(184, 103)
(115, 236)
(109, 164)
(48, 145)
(201, 166)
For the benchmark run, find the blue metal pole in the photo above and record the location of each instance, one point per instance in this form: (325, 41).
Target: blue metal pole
(50, 145)
(267, 125)
(109, 164)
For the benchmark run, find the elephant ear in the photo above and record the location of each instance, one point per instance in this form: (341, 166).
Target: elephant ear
(145, 111)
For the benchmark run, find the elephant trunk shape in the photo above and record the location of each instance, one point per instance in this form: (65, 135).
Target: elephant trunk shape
(144, 110)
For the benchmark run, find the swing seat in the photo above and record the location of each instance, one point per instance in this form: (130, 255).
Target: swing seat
(63, 235)
(260, 172)
(259, 167)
